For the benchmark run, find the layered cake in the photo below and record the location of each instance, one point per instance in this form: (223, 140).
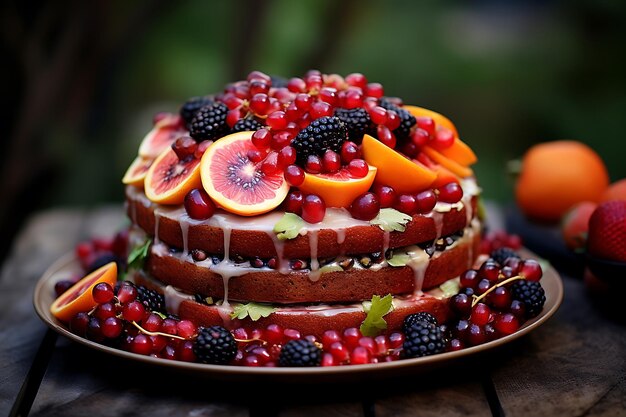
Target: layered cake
(301, 203)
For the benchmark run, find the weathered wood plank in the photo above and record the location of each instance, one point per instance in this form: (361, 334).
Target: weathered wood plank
(573, 365)
(45, 238)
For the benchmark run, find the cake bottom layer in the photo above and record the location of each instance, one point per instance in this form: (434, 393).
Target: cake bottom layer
(308, 319)
(414, 271)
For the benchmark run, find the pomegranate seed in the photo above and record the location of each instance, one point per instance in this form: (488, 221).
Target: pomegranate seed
(420, 137)
(406, 203)
(303, 101)
(270, 165)
(469, 279)
(185, 328)
(339, 351)
(506, 323)
(233, 116)
(258, 75)
(386, 136)
(313, 164)
(500, 298)
(365, 207)
(152, 323)
(426, 201)
(291, 334)
(531, 270)
(277, 120)
(330, 336)
(258, 86)
(198, 204)
(133, 311)
(349, 151)
(294, 175)
(353, 99)
(456, 344)
(378, 115)
(480, 314)
(396, 340)
(356, 79)
(286, 156)
(255, 155)
(450, 193)
(313, 82)
(382, 345)
(104, 311)
(184, 147)
(328, 359)
(274, 334)
(293, 202)
(313, 209)
(281, 139)
(359, 356)
(320, 109)
(368, 343)
(331, 162)
(260, 104)
(296, 85)
(475, 335)
(518, 309)
(141, 344)
(261, 138)
(386, 195)
(490, 271)
(202, 147)
(102, 292)
(126, 292)
(112, 327)
(358, 168)
(374, 90)
(444, 138)
(328, 95)
(169, 326)
(427, 124)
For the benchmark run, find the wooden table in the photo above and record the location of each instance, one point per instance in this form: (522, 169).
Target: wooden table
(574, 365)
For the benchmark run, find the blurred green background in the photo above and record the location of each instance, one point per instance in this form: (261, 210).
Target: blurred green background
(83, 79)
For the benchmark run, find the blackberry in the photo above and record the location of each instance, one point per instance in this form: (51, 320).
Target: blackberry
(500, 255)
(322, 134)
(215, 345)
(414, 318)
(209, 122)
(530, 293)
(423, 339)
(152, 300)
(357, 122)
(244, 125)
(191, 107)
(300, 353)
(407, 120)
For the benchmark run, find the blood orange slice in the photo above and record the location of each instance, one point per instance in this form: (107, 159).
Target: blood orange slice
(338, 189)
(237, 184)
(78, 297)
(169, 179)
(136, 172)
(162, 135)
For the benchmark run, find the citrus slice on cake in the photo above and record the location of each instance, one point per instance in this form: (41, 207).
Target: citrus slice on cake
(169, 179)
(338, 189)
(136, 172)
(453, 166)
(237, 184)
(394, 169)
(162, 135)
(78, 298)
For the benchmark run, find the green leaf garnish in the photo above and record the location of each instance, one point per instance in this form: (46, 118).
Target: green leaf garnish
(138, 255)
(399, 259)
(253, 310)
(450, 288)
(374, 323)
(391, 220)
(289, 226)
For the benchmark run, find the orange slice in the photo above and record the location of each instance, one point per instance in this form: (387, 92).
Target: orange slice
(169, 179)
(459, 151)
(338, 189)
(78, 297)
(136, 172)
(394, 169)
(237, 184)
(162, 135)
(448, 163)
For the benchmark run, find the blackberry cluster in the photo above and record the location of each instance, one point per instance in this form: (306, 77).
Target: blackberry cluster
(209, 122)
(189, 109)
(423, 339)
(300, 353)
(152, 300)
(357, 121)
(215, 345)
(415, 318)
(500, 255)
(322, 134)
(407, 120)
(244, 125)
(531, 293)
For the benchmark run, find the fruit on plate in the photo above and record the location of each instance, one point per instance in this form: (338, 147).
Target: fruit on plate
(237, 184)
(136, 172)
(556, 175)
(170, 178)
(607, 231)
(163, 134)
(575, 225)
(79, 298)
(394, 169)
(338, 189)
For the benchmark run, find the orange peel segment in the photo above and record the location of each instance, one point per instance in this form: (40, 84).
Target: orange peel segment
(78, 298)
(337, 190)
(136, 172)
(453, 166)
(459, 151)
(228, 158)
(168, 180)
(394, 169)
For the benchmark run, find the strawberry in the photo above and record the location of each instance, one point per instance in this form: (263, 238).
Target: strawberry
(607, 231)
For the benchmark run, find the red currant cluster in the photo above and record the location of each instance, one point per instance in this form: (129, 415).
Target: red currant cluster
(123, 320)
(262, 347)
(495, 299)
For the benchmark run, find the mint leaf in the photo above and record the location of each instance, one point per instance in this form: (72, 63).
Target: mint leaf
(138, 255)
(253, 310)
(289, 226)
(391, 220)
(399, 259)
(374, 323)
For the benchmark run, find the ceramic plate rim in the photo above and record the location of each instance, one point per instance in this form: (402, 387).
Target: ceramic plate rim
(554, 298)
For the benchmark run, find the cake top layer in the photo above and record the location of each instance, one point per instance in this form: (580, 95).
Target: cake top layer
(302, 145)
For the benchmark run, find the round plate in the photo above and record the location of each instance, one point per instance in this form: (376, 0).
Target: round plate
(68, 266)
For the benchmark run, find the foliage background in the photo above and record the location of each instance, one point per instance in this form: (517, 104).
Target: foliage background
(83, 79)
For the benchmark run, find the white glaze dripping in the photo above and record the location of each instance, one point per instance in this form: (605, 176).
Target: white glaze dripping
(314, 275)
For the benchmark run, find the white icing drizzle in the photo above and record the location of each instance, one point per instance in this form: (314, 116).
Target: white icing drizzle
(437, 217)
(386, 239)
(279, 245)
(314, 275)
(157, 218)
(341, 235)
(173, 299)
(184, 231)
(419, 261)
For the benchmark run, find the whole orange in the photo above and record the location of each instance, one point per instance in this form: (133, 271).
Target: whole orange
(556, 175)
